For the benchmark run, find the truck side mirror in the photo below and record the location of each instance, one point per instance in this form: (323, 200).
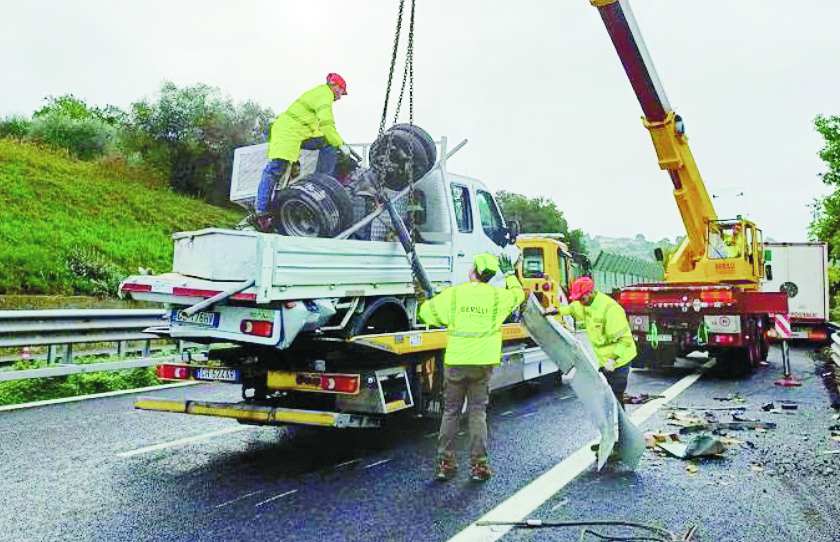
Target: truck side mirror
(657, 253)
(513, 231)
(768, 271)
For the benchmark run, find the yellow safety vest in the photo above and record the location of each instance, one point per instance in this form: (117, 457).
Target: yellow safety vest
(473, 314)
(309, 116)
(606, 326)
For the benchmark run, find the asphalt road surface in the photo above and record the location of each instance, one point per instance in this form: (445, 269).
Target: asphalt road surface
(97, 470)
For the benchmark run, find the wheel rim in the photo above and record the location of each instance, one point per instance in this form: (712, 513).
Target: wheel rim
(299, 219)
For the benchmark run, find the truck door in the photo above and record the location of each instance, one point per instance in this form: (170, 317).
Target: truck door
(463, 237)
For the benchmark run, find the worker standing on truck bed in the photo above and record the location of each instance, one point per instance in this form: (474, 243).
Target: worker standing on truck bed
(309, 124)
(473, 313)
(608, 331)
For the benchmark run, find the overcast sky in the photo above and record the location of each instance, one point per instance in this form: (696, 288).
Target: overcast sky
(534, 86)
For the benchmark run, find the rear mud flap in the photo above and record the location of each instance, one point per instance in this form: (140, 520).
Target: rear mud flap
(621, 441)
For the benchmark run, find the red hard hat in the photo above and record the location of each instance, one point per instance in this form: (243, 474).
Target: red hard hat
(580, 287)
(337, 80)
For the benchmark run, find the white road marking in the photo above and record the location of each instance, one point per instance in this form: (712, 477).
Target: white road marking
(346, 463)
(506, 413)
(528, 415)
(183, 441)
(274, 498)
(237, 499)
(532, 496)
(378, 463)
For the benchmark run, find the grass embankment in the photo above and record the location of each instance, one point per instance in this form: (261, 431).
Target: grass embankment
(69, 227)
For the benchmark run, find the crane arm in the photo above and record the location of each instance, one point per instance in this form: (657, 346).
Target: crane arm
(666, 131)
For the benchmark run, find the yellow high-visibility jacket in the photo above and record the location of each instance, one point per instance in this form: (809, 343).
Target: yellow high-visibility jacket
(473, 314)
(309, 116)
(606, 326)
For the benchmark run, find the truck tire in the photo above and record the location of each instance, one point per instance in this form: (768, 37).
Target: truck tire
(401, 145)
(383, 315)
(339, 196)
(424, 138)
(304, 209)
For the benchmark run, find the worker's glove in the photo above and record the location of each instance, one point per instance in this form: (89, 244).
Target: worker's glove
(420, 294)
(345, 149)
(609, 366)
(505, 265)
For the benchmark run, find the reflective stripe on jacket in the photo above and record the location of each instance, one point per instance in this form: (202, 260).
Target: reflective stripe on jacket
(309, 116)
(473, 314)
(606, 326)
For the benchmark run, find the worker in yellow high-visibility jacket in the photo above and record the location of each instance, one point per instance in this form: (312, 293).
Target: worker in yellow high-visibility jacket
(608, 331)
(309, 124)
(473, 314)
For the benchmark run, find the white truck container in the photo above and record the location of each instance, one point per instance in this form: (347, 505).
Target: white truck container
(800, 270)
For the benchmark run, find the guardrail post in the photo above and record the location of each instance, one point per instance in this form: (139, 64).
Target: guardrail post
(147, 347)
(68, 354)
(120, 348)
(51, 354)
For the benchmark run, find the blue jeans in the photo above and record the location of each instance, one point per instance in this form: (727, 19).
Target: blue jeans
(272, 173)
(326, 157)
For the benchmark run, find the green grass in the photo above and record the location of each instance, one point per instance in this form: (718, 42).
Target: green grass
(69, 227)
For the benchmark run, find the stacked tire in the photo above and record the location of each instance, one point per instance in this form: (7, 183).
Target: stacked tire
(402, 154)
(314, 206)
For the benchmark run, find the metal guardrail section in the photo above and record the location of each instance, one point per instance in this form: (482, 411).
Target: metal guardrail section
(69, 326)
(64, 370)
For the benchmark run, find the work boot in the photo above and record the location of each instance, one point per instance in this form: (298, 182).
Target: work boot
(263, 222)
(445, 470)
(481, 471)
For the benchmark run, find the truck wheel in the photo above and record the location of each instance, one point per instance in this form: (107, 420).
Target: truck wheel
(733, 363)
(424, 138)
(383, 315)
(401, 145)
(305, 210)
(339, 196)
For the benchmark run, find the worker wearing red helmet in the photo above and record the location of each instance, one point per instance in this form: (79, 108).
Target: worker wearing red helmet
(307, 124)
(608, 331)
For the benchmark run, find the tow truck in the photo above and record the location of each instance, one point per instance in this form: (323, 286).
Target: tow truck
(711, 297)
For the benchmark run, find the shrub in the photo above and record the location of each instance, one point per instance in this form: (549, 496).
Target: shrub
(15, 127)
(85, 139)
(94, 274)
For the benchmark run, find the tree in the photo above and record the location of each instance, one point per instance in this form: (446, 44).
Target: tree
(539, 215)
(826, 223)
(189, 135)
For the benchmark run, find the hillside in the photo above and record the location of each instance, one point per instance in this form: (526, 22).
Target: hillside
(77, 228)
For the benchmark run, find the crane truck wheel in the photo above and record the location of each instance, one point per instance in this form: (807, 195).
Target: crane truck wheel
(425, 139)
(305, 210)
(390, 154)
(339, 197)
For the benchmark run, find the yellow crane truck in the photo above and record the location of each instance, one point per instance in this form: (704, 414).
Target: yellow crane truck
(710, 298)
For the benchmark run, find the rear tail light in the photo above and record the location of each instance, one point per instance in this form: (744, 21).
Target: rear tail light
(546, 286)
(724, 339)
(717, 296)
(195, 292)
(337, 383)
(819, 334)
(634, 297)
(172, 372)
(260, 328)
(134, 287)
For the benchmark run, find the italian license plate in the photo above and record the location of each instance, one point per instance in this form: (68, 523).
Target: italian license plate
(208, 319)
(210, 373)
(663, 337)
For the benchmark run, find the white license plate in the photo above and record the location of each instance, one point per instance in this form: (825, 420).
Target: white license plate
(226, 375)
(662, 337)
(209, 319)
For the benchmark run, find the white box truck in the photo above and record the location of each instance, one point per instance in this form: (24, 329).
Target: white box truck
(800, 270)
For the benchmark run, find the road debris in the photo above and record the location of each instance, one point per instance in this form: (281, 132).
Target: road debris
(700, 446)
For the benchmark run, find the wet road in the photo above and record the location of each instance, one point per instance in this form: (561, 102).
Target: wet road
(98, 470)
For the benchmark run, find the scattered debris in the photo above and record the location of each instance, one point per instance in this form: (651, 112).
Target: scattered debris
(654, 437)
(640, 399)
(789, 406)
(756, 425)
(701, 446)
(756, 467)
(768, 407)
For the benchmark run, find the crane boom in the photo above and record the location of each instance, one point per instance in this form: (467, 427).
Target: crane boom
(669, 140)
